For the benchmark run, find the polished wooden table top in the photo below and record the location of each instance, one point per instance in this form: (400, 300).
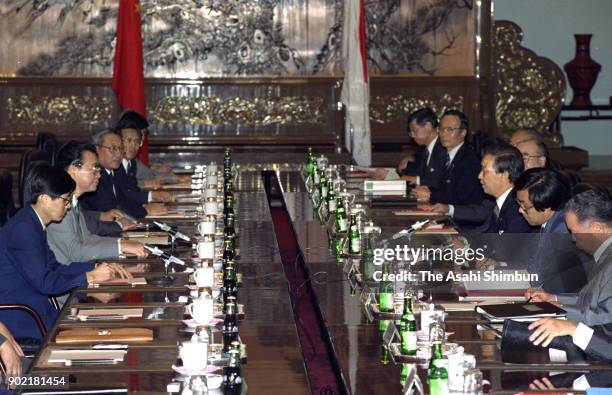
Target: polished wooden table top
(357, 342)
(275, 364)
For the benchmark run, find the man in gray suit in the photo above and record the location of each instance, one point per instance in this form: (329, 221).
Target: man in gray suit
(589, 219)
(70, 240)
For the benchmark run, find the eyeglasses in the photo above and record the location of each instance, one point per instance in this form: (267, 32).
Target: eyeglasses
(67, 201)
(113, 148)
(95, 168)
(522, 206)
(527, 157)
(449, 130)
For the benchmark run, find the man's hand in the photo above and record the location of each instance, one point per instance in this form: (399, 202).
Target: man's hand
(138, 268)
(10, 351)
(126, 224)
(404, 162)
(155, 208)
(184, 179)
(542, 384)
(162, 196)
(111, 215)
(133, 247)
(107, 271)
(410, 179)
(539, 295)
(379, 173)
(161, 168)
(153, 183)
(486, 263)
(547, 329)
(434, 208)
(421, 193)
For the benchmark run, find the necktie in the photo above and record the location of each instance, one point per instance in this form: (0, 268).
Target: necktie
(112, 175)
(448, 160)
(129, 166)
(496, 211)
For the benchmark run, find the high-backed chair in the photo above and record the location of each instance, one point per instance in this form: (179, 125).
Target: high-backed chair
(28, 159)
(7, 205)
(47, 142)
(30, 346)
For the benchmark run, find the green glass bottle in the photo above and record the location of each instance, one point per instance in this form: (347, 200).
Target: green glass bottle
(310, 161)
(382, 328)
(232, 377)
(436, 353)
(408, 329)
(385, 291)
(340, 217)
(404, 374)
(323, 188)
(331, 198)
(437, 380)
(354, 236)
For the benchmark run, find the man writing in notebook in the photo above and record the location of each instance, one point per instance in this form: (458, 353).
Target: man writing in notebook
(589, 219)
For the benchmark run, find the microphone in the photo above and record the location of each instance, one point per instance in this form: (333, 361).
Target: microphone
(170, 258)
(416, 226)
(172, 231)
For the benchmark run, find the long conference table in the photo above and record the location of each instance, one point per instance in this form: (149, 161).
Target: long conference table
(275, 360)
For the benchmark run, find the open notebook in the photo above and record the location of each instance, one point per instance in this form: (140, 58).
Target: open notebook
(520, 311)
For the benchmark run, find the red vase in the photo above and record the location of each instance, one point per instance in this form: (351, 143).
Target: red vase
(582, 71)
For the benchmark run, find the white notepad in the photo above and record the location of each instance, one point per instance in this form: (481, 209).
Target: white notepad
(71, 357)
(89, 314)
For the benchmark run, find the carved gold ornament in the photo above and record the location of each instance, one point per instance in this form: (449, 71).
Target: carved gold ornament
(59, 110)
(529, 88)
(287, 110)
(387, 109)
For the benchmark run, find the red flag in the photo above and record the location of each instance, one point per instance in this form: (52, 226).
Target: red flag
(128, 70)
(363, 45)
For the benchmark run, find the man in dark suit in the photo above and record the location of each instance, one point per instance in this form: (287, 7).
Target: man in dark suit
(110, 193)
(560, 265)
(430, 159)
(29, 272)
(588, 216)
(459, 179)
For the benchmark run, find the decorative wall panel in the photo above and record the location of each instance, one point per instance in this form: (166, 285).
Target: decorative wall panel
(231, 38)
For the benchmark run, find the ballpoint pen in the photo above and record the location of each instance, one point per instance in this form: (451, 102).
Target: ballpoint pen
(531, 297)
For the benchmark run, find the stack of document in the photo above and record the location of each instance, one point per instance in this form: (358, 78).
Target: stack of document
(156, 238)
(506, 290)
(520, 311)
(86, 357)
(124, 282)
(108, 314)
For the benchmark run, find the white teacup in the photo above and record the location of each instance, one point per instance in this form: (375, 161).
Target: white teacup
(204, 276)
(207, 227)
(211, 207)
(211, 191)
(211, 169)
(206, 248)
(212, 179)
(194, 355)
(201, 309)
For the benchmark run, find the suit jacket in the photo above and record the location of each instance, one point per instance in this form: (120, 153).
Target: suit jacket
(459, 182)
(104, 199)
(29, 273)
(143, 172)
(600, 346)
(98, 227)
(71, 241)
(429, 173)
(593, 303)
(560, 265)
(129, 185)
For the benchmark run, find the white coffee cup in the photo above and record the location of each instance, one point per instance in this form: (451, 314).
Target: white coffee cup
(211, 191)
(207, 227)
(206, 248)
(211, 169)
(201, 309)
(211, 179)
(204, 276)
(194, 355)
(211, 207)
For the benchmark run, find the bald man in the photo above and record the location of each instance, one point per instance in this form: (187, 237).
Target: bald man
(522, 135)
